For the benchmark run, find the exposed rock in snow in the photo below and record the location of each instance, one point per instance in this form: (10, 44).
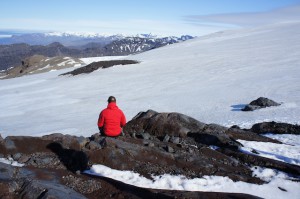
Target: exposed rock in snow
(276, 128)
(259, 103)
(101, 64)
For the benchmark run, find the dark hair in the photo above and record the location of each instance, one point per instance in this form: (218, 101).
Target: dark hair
(111, 99)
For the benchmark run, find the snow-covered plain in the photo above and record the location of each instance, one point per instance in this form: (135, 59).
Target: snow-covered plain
(209, 78)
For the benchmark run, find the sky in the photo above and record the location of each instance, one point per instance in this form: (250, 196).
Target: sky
(161, 17)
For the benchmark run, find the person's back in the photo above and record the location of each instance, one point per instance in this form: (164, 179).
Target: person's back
(112, 119)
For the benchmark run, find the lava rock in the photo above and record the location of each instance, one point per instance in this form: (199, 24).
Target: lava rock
(97, 65)
(175, 140)
(145, 136)
(276, 128)
(166, 138)
(160, 124)
(92, 145)
(179, 125)
(1, 139)
(170, 149)
(9, 144)
(241, 134)
(81, 186)
(24, 159)
(16, 182)
(260, 102)
(264, 102)
(251, 108)
(96, 137)
(82, 141)
(17, 156)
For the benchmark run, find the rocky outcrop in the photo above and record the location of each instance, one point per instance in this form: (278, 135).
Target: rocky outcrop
(259, 103)
(244, 134)
(47, 172)
(262, 161)
(101, 64)
(276, 128)
(179, 125)
(27, 183)
(39, 64)
(154, 144)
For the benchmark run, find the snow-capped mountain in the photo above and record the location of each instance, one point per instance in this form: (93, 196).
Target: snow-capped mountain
(84, 45)
(71, 38)
(131, 45)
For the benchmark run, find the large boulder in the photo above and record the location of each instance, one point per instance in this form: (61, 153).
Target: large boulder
(276, 128)
(160, 124)
(179, 125)
(16, 182)
(259, 103)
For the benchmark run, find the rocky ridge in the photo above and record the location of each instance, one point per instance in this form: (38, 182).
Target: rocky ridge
(154, 144)
(40, 64)
(13, 54)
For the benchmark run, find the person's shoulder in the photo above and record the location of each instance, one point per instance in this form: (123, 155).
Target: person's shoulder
(104, 110)
(120, 110)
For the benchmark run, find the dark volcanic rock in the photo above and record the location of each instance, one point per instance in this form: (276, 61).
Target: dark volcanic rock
(101, 64)
(165, 143)
(276, 128)
(261, 102)
(262, 161)
(92, 145)
(264, 102)
(9, 144)
(251, 108)
(73, 160)
(164, 125)
(16, 182)
(160, 124)
(238, 133)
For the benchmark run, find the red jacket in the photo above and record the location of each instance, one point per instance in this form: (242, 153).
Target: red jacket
(111, 120)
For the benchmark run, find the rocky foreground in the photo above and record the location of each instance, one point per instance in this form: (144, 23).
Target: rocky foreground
(154, 143)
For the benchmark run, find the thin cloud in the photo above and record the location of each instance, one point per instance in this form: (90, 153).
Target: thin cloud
(286, 14)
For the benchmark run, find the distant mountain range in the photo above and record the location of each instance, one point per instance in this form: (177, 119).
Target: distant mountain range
(70, 38)
(15, 48)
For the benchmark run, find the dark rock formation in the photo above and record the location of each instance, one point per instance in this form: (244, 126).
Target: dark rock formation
(276, 128)
(26, 183)
(179, 125)
(40, 64)
(154, 144)
(101, 64)
(259, 103)
(242, 134)
(262, 161)
(160, 124)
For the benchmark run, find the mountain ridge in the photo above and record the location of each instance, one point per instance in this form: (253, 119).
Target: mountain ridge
(11, 55)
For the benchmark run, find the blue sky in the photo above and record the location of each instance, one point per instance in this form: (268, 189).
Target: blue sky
(164, 17)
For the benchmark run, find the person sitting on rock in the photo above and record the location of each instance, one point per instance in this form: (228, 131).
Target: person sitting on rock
(112, 119)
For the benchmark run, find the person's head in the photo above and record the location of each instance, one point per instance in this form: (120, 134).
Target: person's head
(111, 99)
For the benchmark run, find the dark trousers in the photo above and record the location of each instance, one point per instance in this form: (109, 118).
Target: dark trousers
(101, 131)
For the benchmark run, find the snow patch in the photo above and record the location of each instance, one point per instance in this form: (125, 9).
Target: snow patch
(208, 183)
(11, 162)
(283, 152)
